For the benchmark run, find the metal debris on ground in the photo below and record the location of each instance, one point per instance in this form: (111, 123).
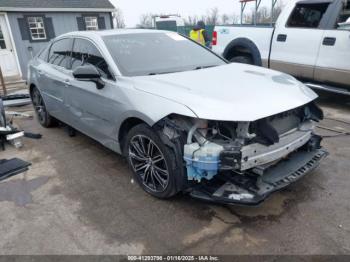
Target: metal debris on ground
(16, 100)
(12, 167)
(8, 132)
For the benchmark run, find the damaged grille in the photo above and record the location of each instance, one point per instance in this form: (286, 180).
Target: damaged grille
(285, 122)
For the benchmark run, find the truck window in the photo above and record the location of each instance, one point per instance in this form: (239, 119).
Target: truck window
(344, 18)
(307, 15)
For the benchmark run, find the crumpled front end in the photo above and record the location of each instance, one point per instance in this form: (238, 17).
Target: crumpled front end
(244, 162)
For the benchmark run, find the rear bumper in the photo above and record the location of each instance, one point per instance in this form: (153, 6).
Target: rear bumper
(252, 189)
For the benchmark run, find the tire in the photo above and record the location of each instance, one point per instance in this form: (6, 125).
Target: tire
(242, 60)
(152, 162)
(43, 116)
(2, 114)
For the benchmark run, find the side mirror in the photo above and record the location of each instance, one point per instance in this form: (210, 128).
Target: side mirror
(89, 73)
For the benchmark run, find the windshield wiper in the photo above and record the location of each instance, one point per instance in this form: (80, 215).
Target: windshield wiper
(204, 67)
(171, 72)
(163, 73)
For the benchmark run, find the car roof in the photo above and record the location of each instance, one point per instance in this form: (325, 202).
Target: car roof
(94, 34)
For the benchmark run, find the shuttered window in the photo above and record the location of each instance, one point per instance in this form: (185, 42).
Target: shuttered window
(37, 28)
(91, 23)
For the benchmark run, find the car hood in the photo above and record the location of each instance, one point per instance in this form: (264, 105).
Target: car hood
(233, 92)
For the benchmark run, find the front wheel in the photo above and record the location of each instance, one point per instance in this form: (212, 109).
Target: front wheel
(151, 162)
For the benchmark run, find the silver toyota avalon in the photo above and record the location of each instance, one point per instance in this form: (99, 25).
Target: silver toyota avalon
(185, 119)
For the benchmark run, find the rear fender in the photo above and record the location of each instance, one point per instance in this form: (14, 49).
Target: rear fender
(246, 44)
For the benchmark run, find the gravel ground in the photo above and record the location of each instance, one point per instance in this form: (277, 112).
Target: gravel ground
(78, 198)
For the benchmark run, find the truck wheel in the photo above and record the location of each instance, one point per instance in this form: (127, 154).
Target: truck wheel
(151, 162)
(242, 59)
(44, 117)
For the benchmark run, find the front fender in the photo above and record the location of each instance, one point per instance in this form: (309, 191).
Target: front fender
(150, 109)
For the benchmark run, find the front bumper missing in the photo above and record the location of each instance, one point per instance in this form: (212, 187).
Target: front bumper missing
(252, 189)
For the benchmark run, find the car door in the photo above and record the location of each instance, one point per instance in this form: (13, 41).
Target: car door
(53, 76)
(93, 111)
(295, 45)
(333, 63)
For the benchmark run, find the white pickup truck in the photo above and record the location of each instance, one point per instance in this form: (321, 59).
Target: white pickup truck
(310, 40)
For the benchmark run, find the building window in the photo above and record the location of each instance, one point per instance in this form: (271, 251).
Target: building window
(91, 23)
(37, 28)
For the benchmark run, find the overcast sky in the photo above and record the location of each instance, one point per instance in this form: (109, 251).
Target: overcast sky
(133, 9)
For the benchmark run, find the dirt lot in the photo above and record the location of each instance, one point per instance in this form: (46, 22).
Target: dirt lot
(78, 198)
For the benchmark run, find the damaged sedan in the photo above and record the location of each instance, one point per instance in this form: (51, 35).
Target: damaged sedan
(185, 119)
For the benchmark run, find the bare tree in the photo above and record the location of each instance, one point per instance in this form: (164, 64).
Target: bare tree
(235, 18)
(118, 18)
(212, 17)
(264, 14)
(146, 21)
(191, 20)
(225, 19)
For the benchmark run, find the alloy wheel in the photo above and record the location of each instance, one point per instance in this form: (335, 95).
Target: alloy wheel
(39, 106)
(148, 163)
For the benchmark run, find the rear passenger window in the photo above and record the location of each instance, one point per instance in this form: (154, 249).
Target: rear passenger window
(307, 15)
(60, 53)
(85, 52)
(344, 17)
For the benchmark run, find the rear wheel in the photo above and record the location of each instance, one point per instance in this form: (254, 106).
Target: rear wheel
(44, 117)
(242, 59)
(2, 114)
(151, 161)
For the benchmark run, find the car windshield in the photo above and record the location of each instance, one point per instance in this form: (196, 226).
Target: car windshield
(142, 54)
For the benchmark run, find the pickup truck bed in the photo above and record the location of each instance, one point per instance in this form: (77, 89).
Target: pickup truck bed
(258, 36)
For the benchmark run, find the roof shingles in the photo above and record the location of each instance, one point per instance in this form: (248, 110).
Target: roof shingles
(93, 4)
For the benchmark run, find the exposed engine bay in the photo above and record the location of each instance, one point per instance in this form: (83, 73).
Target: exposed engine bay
(243, 162)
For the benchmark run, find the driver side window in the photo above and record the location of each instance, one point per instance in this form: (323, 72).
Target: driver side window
(86, 53)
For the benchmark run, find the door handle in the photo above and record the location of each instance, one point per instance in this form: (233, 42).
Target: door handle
(329, 41)
(67, 82)
(281, 38)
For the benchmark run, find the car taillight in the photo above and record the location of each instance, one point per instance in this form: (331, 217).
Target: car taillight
(215, 38)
